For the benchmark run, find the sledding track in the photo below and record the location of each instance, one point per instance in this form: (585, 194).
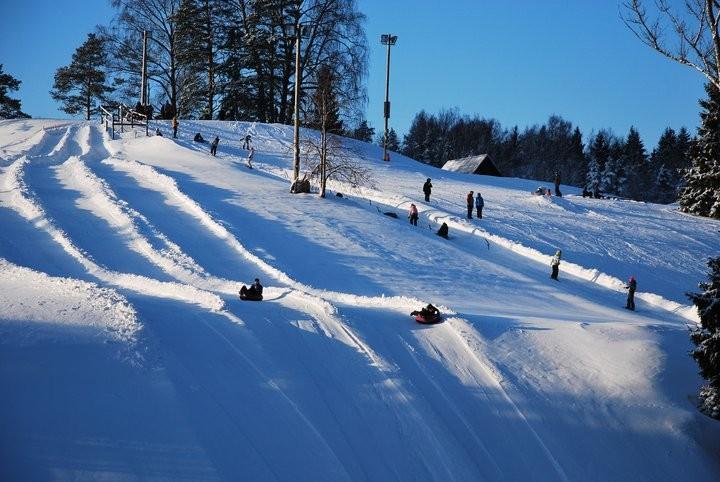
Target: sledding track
(318, 380)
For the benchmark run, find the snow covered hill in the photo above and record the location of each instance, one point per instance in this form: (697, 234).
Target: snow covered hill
(125, 352)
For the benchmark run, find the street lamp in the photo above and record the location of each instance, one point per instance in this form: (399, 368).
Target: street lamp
(389, 40)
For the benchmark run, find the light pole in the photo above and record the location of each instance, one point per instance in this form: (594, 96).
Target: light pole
(389, 40)
(299, 32)
(144, 87)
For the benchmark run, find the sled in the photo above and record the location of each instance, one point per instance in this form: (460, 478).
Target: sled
(428, 320)
(251, 297)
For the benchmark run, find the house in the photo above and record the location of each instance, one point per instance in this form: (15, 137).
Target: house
(481, 164)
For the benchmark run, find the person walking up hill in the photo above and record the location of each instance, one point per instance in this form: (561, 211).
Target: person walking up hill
(427, 189)
(555, 264)
(470, 201)
(413, 215)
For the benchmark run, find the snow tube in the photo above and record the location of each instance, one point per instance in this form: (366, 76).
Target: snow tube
(428, 320)
(251, 297)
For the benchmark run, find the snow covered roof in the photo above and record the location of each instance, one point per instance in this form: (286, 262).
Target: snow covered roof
(473, 165)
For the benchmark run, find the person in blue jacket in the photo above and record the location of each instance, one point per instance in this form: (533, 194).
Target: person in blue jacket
(479, 204)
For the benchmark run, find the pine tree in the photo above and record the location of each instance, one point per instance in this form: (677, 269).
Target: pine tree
(9, 108)
(393, 144)
(634, 161)
(701, 193)
(78, 85)
(363, 132)
(707, 339)
(598, 156)
(197, 38)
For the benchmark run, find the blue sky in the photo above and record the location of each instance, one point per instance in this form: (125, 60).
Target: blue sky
(518, 61)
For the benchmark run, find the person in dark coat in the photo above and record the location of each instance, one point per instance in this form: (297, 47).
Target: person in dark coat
(254, 291)
(427, 312)
(479, 204)
(213, 145)
(557, 184)
(470, 201)
(631, 287)
(443, 231)
(158, 132)
(555, 264)
(198, 138)
(413, 215)
(246, 142)
(427, 189)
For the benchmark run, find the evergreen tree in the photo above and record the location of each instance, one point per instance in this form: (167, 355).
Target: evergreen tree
(393, 144)
(707, 339)
(598, 156)
(79, 85)
(9, 108)
(701, 193)
(363, 132)
(634, 161)
(197, 39)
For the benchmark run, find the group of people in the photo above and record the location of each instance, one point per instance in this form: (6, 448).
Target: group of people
(247, 141)
(475, 201)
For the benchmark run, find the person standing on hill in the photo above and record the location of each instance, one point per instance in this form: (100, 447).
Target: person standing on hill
(247, 141)
(555, 264)
(427, 189)
(631, 287)
(413, 215)
(175, 126)
(470, 201)
(250, 156)
(557, 184)
(213, 145)
(479, 204)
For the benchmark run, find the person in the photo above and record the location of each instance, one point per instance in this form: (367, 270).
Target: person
(213, 145)
(254, 291)
(557, 184)
(250, 157)
(413, 215)
(596, 190)
(479, 204)
(157, 132)
(469, 200)
(175, 126)
(631, 287)
(428, 312)
(427, 189)
(246, 143)
(586, 192)
(443, 231)
(555, 264)
(198, 138)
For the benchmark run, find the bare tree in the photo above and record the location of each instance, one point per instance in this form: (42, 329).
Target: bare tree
(326, 157)
(695, 27)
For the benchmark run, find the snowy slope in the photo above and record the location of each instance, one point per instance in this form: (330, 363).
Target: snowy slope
(126, 353)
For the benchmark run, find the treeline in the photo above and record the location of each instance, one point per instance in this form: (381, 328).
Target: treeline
(606, 163)
(228, 59)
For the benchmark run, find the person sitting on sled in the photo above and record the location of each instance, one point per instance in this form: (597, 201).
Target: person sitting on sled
(428, 312)
(255, 290)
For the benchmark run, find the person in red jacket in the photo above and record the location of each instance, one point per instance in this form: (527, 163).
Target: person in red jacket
(470, 202)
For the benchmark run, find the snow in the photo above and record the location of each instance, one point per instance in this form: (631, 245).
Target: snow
(125, 352)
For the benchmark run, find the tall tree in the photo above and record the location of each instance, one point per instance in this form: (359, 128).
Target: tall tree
(326, 157)
(701, 193)
(198, 37)
(79, 85)
(598, 156)
(707, 339)
(634, 160)
(9, 108)
(363, 132)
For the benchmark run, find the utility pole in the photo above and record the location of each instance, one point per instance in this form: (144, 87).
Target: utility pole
(296, 140)
(389, 40)
(144, 82)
